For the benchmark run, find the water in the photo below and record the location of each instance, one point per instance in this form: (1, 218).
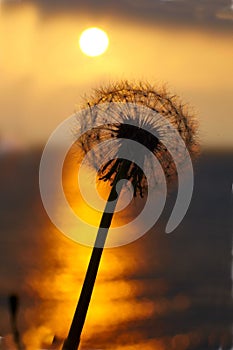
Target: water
(161, 292)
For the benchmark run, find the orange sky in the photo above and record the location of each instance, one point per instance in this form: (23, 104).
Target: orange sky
(44, 73)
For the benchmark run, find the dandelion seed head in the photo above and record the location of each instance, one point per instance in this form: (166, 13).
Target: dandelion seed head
(136, 112)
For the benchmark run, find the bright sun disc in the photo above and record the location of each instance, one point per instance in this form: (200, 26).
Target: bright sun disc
(93, 42)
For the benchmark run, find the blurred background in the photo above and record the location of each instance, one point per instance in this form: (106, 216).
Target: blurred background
(162, 291)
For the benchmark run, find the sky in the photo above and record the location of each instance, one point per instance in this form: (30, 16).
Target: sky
(184, 44)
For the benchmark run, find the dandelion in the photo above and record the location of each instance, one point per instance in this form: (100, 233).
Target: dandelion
(143, 114)
(146, 129)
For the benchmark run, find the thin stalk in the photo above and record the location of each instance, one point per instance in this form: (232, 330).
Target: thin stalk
(73, 339)
(13, 304)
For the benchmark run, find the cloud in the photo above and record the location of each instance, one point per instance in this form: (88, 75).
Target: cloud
(179, 11)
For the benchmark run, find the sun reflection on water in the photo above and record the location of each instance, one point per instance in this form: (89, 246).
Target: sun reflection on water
(116, 299)
(153, 294)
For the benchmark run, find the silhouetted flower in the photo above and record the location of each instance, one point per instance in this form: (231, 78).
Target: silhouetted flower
(154, 120)
(122, 119)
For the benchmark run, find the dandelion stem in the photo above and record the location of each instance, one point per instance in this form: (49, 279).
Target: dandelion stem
(73, 339)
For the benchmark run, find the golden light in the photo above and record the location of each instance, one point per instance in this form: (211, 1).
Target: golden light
(93, 42)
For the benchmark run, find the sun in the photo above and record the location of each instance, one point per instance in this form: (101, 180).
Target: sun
(93, 42)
